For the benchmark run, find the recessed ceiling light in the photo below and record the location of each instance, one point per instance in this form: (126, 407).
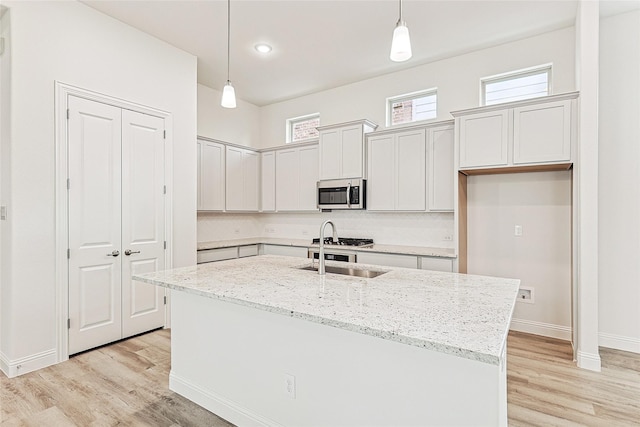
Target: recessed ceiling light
(263, 48)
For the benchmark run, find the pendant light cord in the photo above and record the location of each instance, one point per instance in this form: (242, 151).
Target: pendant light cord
(400, 18)
(228, 38)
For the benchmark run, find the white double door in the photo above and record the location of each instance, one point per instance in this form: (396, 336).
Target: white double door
(116, 222)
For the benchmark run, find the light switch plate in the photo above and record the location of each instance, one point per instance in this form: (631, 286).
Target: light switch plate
(3, 213)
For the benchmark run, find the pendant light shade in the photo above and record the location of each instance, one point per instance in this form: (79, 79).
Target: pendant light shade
(401, 43)
(228, 93)
(228, 96)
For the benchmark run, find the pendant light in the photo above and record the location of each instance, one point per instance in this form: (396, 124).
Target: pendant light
(401, 43)
(228, 93)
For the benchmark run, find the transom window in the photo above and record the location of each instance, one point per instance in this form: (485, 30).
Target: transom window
(412, 107)
(303, 128)
(517, 85)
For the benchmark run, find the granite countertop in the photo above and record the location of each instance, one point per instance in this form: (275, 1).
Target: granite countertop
(389, 249)
(458, 314)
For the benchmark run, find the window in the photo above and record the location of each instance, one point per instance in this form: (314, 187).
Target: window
(303, 128)
(412, 107)
(515, 86)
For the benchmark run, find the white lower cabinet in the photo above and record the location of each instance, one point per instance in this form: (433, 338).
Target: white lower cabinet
(220, 254)
(436, 264)
(294, 251)
(390, 260)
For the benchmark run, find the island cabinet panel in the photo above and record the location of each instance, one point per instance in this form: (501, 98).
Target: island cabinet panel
(390, 260)
(211, 174)
(542, 133)
(268, 181)
(484, 139)
(342, 153)
(296, 178)
(242, 179)
(340, 377)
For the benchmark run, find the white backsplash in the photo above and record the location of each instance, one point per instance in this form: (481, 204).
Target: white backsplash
(397, 228)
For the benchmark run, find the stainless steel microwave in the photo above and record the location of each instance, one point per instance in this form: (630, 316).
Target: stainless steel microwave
(342, 194)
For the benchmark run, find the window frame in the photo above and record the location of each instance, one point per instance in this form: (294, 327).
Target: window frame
(530, 71)
(293, 121)
(410, 96)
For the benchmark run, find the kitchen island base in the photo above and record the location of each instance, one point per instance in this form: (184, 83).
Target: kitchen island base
(239, 361)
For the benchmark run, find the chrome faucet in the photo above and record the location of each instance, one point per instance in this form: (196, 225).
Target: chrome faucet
(321, 254)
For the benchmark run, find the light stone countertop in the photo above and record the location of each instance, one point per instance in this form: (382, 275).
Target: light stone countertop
(388, 249)
(458, 314)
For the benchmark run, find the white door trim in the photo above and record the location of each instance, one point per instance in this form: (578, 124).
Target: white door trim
(62, 93)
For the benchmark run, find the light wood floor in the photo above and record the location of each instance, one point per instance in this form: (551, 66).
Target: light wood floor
(127, 384)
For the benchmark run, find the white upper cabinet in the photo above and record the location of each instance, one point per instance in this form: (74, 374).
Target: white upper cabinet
(296, 178)
(242, 179)
(517, 134)
(441, 168)
(542, 133)
(342, 153)
(411, 169)
(268, 181)
(211, 186)
(397, 171)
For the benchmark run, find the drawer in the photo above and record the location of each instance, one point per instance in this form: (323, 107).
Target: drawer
(245, 251)
(437, 264)
(210, 255)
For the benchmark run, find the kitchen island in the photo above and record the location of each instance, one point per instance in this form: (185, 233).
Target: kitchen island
(261, 341)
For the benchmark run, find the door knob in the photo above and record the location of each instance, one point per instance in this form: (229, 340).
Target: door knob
(114, 253)
(129, 252)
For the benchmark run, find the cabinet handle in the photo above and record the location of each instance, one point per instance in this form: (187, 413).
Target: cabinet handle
(129, 252)
(114, 253)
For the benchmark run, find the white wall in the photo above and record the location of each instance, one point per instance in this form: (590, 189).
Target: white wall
(74, 44)
(541, 258)
(5, 117)
(457, 80)
(410, 229)
(619, 194)
(240, 125)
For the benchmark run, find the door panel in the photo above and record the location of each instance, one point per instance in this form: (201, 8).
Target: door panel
(94, 224)
(143, 220)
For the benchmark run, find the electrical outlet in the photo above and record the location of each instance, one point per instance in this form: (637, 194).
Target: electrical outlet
(290, 385)
(448, 238)
(525, 294)
(518, 230)
(305, 232)
(236, 230)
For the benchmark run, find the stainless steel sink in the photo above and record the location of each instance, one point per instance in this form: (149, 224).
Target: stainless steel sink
(367, 274)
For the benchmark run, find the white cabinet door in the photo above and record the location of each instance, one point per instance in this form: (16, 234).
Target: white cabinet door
(242, 179)
(484, 139)
(381, 172)
(542, 133)
(210, 176)
(251, 177)
(234, 179)
(410, 171)
(287, 171)
(441, 169)
(308, 178)
(351, 156)
(268, 182)
(330, 154)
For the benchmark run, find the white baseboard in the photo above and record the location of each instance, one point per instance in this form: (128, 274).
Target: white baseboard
(222, 407)
(540, 328)
(13, 368)
(589, 361)
(619, 342)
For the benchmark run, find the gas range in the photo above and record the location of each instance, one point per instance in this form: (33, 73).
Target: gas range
(346, 241)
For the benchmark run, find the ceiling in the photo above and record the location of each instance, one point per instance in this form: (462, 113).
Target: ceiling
(321, 44)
